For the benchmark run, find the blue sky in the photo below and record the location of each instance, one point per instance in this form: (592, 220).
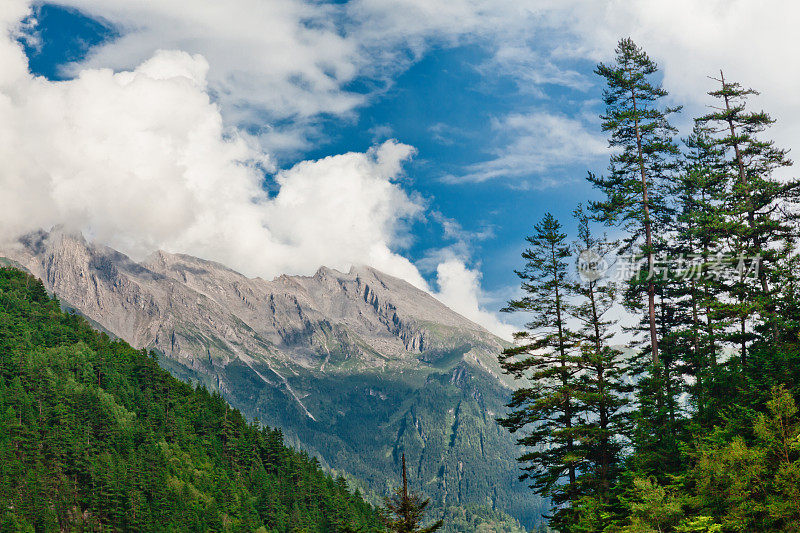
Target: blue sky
(444, 107)
(494, 105)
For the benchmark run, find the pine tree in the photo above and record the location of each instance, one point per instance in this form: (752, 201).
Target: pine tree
(700, 193)
(404, 512)
(545, 353)
(635, 187)
(140, 449)
(637, 200)
(761, 216)
(603, 388)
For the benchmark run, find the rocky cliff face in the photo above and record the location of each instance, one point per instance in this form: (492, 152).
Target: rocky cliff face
(356, 367)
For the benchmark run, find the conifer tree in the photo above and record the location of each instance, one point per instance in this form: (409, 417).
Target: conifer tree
(713, 463)
(545, 353)
(700, 194)
(405, 511)
(761, 214)
(78, 454)
(603, 388)
(645, 157)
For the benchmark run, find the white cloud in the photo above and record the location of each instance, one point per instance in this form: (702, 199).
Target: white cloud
(281, 64)
(537, 141)
(13, 61)
(532, 69)
(345, 209)
(460, 289)
(278, 60)
(271, 60)
(141, 160)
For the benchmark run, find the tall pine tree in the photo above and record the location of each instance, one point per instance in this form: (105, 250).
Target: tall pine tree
(762, 218)
(603, 387)
(545, 353)
(644, 158)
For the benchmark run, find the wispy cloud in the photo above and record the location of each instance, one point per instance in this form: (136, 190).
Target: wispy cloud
(531, 144)
(287, 63)
(534, 69)
(282, 66)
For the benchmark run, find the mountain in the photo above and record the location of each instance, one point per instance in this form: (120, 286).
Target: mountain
(356, 368)
(97, 437)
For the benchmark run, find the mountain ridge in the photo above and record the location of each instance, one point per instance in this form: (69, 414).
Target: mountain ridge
(358, 367)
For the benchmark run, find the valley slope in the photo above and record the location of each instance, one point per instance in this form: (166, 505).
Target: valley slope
(354, 367)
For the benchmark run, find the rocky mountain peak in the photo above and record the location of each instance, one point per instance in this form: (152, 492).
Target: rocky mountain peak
(184, 306)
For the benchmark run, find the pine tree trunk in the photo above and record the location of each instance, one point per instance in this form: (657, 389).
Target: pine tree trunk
(712, 351)
(696, 346)
(651, 290)
(605, 458)
(564, 377)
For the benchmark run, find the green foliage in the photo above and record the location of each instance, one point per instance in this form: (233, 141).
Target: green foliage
(653, 507)
(700, 318)
(573, 417)
(754, 487)
(480, 519)
(701, 524)
(760, 220)
(97, 437)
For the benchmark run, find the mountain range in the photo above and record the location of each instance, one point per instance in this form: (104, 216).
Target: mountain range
(357, 368)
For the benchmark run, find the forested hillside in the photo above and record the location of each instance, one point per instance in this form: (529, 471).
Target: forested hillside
(95, 436)
(355, 368)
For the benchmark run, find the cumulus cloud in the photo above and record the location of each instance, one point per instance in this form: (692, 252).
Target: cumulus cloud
(460, 289)
(15, 64)
(141, 160)
(346, 208)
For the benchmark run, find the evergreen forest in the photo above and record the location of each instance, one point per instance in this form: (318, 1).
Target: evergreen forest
(690, 425)
(97, 437)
